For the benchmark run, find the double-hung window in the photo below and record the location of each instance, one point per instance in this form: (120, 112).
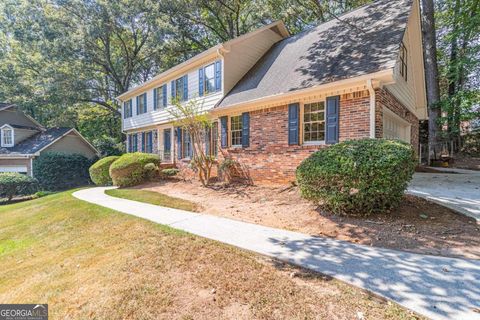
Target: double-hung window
(160, 99)
(314, 122)
(179, 89)
(7, 136)
(214, 140)
(236, 130)
(403, 61)
(142, 103)
(209, 79)
(127, 109)
(187, 147)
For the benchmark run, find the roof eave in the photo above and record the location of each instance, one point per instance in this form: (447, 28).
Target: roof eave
(381, 77)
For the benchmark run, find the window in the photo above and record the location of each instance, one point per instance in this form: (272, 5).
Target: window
(147, 142)
(142, 103)
(187, 151)
(236, 130)
(209, 79)
(214, 140)
(159, 97)
(7, 136)
(127, 109)
(134, 143)
(314, 122)
(403, 61)
(179, 89)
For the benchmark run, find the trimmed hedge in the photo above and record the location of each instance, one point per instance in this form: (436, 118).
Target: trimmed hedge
(130, 169)
(16, 184)
(358, 176)
(99, 171)
(60, 171)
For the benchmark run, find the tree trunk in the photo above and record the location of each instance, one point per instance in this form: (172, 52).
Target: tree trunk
(431, 70)
(453, 77)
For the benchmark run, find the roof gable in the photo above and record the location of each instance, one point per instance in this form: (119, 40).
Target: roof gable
(12, 115)
(363, 41)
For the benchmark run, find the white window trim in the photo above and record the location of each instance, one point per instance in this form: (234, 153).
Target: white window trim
(230, 131)
(301, 122)
(205, 93)
(6, 145)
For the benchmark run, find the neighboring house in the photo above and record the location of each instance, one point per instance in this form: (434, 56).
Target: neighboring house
(277, 98)
(22, 139)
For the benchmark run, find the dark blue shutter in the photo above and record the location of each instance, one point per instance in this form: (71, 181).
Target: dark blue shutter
(164, 92)
(150, 142)
(155, 103)
(130, 107)
(179, 143)
(333, 108)
(224, 131)
(138, 105)
(245, 129)
(293, 121)
(200, 82)
(218, 75)
(142, 143)
(185, 87)
(172, 89)
(144, 102)
(135, 142)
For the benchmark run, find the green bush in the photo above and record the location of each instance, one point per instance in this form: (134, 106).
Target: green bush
(129, 169)
(99, 171)
(170, 172)
(358, 176)
(60, 171)
(16, 184)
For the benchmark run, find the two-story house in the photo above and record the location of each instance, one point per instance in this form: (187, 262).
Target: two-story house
(276, 98)
(22, 139)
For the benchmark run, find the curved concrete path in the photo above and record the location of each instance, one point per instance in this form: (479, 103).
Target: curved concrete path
(458, 191)
(436, 287)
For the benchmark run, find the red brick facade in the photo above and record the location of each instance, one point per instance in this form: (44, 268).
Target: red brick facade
(271, 160)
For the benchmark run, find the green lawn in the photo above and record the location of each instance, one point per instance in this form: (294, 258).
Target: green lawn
(153, 198)
(87, 261)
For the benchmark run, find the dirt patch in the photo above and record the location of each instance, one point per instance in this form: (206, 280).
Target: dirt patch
(416, 226)
(466, 162)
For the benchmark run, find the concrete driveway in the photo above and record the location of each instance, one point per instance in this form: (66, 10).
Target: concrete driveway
(459, 191)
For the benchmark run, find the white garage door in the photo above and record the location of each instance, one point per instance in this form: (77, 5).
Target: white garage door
(20, 169)
(395, 127)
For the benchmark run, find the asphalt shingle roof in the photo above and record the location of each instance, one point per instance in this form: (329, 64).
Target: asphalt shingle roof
(363, 41)
(36, 142)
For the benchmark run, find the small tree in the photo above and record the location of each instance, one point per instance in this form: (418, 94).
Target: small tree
(191, 117)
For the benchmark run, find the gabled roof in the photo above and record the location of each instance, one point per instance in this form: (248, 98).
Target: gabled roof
(5, 106)
(360, 42)
(37, 142)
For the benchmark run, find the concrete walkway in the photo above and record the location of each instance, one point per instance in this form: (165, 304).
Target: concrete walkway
(436, 287)
(459, 191)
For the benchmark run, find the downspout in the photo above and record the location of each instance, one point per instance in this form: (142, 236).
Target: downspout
(371, 92)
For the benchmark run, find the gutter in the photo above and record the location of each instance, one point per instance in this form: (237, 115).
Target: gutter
(371, 92)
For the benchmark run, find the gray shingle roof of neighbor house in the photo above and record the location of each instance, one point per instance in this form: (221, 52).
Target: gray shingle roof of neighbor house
(360, 42)
(36, 142)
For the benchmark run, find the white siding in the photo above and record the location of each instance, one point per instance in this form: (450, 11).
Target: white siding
(412, 92)
(161, 115)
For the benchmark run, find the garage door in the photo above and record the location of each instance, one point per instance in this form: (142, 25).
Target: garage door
(395, 127)
(20, 169)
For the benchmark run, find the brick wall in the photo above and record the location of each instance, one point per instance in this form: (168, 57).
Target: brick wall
(384, 99)
(270, 160)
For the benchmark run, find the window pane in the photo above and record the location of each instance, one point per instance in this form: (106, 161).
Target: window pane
(236, 130)
(314, 122)
(209, 84)
(179, 88)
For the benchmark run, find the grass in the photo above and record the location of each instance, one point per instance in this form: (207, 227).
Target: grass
(87, 261)
(153, 198)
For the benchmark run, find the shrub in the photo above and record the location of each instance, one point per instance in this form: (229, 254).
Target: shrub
(16, 184)
(61, 171)
(358, 176)
(129, 169)
(99, 171)
(170, 172)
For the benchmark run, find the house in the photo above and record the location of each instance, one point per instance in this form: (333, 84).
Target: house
(277, 98)
(22, 139)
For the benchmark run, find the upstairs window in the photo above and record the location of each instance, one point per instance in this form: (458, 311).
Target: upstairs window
(209, 79)
(7, 136)
(142, 103)
(179, 83)
(236, 130)
(160, 97)
(127, 109)
(403, 61)
(314, 122)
